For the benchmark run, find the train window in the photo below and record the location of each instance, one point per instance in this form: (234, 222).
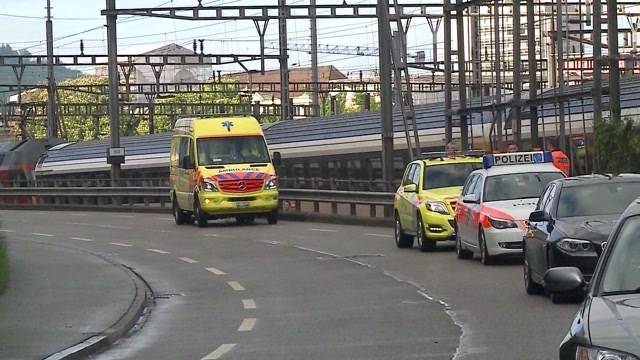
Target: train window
(297, 170)
(314, 169)
(354, 169)
(398, 167)
(335, 169)
(375, 168)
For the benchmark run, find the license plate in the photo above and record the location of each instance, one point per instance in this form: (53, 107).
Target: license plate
(242, 204)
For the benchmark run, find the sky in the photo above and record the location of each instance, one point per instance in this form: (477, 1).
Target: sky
(22, 25)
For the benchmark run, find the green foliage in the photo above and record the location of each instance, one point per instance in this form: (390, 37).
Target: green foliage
(618, 146)
(356, 105)
(4, 265)
(32, 74)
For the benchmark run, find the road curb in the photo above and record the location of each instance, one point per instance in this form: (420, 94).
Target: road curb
(99, 342)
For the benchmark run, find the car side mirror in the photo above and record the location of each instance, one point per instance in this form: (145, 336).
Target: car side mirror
(411, 188)
(470, 199)
(187, 163)
(563, 279)
(539, 216)
(276, 159)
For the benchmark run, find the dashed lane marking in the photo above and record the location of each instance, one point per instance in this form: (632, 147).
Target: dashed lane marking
(325, 230)
(188, 260)
(221, 350)
(41, 234)
(247, 324)
(316, 251)
(216, 271)
(124, 216)
(235, 285)
(380, 235)
(249, 303)
(158, 251)
(6, 230)
(81, 239)
(121, 244)
(165, 219)
(270, 242)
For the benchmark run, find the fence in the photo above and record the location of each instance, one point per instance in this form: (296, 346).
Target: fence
(350, 206)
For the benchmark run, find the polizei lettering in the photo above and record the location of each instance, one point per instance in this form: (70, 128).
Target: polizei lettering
(507, 159)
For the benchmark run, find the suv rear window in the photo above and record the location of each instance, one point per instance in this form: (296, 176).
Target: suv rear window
(447, 175)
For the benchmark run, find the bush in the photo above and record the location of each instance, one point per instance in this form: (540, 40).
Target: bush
(617, 146)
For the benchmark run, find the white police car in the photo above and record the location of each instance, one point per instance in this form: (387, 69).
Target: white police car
(496, 201)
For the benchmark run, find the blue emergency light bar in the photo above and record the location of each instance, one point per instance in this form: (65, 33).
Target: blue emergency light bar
(517, 158)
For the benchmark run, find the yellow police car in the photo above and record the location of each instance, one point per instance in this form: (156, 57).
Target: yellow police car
(424, 204)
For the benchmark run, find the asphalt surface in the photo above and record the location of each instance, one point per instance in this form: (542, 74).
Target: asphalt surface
(305, 290)
(55, 298)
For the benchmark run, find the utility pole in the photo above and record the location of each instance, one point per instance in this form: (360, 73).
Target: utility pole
(115, 155)
(386, 95)
(533, 82)
(462, 82)
(498, 69)
(284, 60)
(516, 124)
(560, 55)
(314, 60)
(52, 124)
(597, 60)
(448, 116)
(614, 66)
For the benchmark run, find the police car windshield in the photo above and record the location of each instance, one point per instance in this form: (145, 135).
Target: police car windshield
(517, 186)
(232, 150)
(607, 198)
(447, 175)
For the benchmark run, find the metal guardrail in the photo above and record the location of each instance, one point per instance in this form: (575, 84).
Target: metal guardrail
(305, 202)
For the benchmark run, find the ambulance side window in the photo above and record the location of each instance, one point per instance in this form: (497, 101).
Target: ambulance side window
(183, 150)
(173, 158)
(408, 175)
(415, 179)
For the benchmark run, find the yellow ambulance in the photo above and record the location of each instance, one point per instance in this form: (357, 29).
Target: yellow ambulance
(219, 168)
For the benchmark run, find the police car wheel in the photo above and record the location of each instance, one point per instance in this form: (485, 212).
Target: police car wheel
(485, 258)
(403, 240)
(530, 285)
(178, 215)
(199, 216)
(462, 253)
(424, 243)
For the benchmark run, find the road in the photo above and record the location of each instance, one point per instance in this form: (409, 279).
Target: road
(306, 290)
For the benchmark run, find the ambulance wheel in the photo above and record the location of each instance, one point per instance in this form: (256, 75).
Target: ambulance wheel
(179, 216)
(272, 218)
(424, 243)
(199, 216)
(485, 258)
(403, 240)
(240, 220)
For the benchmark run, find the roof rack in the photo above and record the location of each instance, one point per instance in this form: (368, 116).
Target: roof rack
(443, 154)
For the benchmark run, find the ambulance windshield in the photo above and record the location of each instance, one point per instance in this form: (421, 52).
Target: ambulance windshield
(232, 150)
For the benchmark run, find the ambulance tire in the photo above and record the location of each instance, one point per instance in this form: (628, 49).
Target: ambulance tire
(461, 252)
(200, 218)
(485, 258)
(424, 243)
(179, 216)
(403, 240)
(272, 218)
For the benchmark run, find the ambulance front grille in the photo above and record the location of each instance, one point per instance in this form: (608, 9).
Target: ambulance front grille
(241, 186)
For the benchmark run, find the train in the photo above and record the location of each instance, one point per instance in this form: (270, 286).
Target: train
(345, 147)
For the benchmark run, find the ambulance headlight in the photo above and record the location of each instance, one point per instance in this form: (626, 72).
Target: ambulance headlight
(209, 186)
(437, 206)
(271, 183)
(501, 224)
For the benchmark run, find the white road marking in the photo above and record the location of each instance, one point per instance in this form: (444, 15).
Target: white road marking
(249, 303)
(41, 234)
(121, 244)
(124, 216)
(6, 230)
(235, 285)
(163, 231)
(221, 350)
(211, 235)
(380, 235)
(166, 219)
(316, 251)
(325, 230)
(270, 242)
(216, 271)
(247, 324)
(188, 260)
(78, 214)
(81, 239)
(158, 251)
